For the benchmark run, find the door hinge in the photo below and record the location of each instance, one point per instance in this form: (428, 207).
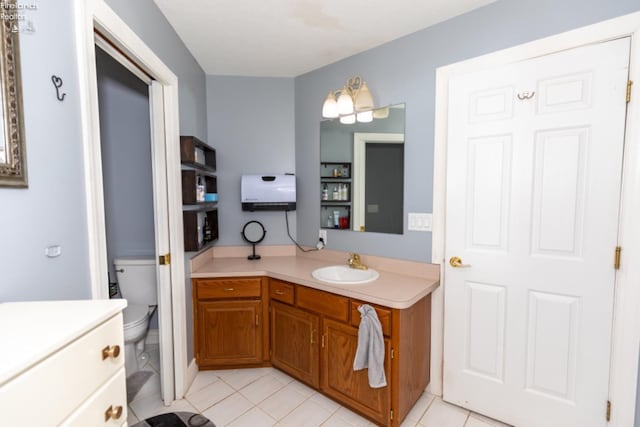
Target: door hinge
(164, 259)
(629, 83)
(616, 260)
(608, 410)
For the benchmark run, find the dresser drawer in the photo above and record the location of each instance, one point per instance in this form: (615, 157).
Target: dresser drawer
(93, 412)
(49, 391)
(228, 288)
(330, 305)
(281, 291)
(384, 315)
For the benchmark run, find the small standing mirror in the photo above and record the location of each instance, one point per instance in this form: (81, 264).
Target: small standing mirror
(253, 232)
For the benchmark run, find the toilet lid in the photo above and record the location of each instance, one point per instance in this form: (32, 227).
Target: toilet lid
(134, 315)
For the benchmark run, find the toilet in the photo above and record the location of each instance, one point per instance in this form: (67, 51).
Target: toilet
(137, 282)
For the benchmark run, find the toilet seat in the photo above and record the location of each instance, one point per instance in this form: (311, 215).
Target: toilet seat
(135, 315)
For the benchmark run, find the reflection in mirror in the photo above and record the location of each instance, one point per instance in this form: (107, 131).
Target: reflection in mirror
(13, 165)
(362, 173)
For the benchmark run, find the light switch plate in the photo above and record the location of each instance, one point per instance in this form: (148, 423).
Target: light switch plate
(420, 221)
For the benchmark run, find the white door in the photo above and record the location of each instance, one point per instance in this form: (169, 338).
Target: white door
(161, 210)
(534, 162)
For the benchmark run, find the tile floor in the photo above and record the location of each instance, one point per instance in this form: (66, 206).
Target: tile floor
(267, 397)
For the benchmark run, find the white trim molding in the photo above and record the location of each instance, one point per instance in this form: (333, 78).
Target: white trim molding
(360, 141)
(92, 15)
(625, 347)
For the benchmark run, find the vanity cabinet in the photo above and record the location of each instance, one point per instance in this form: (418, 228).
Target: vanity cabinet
(324, 359)
(198, 161)
(229, 327)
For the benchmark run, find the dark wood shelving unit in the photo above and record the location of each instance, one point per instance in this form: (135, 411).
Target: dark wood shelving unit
(198, 162)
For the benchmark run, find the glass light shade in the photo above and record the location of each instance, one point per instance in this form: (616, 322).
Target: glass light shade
(381, 113)
(330, 107)
(348, 120)
(364, 100)
(365, 116)
(345, 103)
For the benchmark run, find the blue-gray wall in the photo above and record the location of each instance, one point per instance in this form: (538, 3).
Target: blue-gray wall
(404, 71)
(251, 127)
(52, 210)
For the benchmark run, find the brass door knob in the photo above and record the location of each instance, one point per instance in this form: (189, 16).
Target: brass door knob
(112, 413)
(110, 352)
(456, 262)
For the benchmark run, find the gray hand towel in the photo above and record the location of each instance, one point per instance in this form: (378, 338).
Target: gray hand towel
(370, 351)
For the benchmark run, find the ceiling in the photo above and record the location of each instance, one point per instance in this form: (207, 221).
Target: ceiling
(286, 38)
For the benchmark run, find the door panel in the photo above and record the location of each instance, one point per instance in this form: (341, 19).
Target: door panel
(534, 162)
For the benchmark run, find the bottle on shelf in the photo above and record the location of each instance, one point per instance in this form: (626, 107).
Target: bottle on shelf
(207, 236)
(335, 195)
(325, 192)
(200, 190)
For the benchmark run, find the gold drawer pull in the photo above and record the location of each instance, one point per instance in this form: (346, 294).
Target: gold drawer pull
(112, 413)
(110, 351)
(229, 289)
(278, 292)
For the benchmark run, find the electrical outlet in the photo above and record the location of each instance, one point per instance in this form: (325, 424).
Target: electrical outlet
(323, 235)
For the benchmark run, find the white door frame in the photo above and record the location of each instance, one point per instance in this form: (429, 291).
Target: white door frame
(625, 351)
(360, 141)
(95, 14)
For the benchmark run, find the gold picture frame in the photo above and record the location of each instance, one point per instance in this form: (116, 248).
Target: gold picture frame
(13, 160)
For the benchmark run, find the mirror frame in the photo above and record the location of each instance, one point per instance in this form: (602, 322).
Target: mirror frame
(13, 173)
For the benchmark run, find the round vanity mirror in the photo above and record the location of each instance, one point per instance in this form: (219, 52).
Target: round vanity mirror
(253, 232)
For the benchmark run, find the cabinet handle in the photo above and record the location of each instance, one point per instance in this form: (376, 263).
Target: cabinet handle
(229, 289)
(312, 332)
(112, 413)
(110, 352)
(323, 341)
(278, 292)
(257, 320)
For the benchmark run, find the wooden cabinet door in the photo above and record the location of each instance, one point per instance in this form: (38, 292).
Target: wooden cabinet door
(341, 382)
(229, 332)
(294, 342)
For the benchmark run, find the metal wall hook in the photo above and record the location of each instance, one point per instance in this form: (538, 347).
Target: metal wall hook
(525, 95)
(57, 82)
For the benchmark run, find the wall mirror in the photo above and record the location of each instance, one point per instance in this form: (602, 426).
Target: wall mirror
(13, 165)
(362, 173)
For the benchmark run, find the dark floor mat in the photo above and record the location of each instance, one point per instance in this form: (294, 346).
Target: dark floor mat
(176, 419)
(135, 382)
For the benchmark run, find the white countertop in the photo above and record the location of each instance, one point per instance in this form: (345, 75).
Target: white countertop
(390, 289)
(32, 330)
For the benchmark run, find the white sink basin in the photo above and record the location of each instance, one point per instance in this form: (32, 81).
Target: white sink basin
(344, 275)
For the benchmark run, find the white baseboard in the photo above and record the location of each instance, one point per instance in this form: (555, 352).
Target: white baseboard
(153, 337)
(192, 371)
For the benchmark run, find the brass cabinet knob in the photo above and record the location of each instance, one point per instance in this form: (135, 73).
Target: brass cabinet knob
(110, 352)
(456, 262)
(278, 292)
(112, 413)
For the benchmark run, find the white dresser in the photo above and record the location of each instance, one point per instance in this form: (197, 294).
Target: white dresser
(62, 363)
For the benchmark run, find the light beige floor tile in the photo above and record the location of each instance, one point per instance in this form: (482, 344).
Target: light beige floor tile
(409, 423)
(442, 414)
(281, 376)
(420, 407)
(240, 378)
(350, 417)
(301, 388)
(153, 351)
(282, 402)
(262, 388)
(203, 379)
(325, 402)
(224, 412)
(477, 420)
(131, 417)
(210, 395)
(153, 405)
(335, 421)
(253, 418)
(308, 414)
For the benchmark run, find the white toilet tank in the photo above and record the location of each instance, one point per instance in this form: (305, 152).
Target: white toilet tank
(137, 280)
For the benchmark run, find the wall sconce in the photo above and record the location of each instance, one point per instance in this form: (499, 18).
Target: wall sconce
(352, 102)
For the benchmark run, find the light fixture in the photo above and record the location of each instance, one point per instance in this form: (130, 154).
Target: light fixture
(353, 102)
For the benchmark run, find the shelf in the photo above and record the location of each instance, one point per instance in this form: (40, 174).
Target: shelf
(197, 154)
(189, 184)
(193, 221)
(202, 169)
(335, 170)
(199, 206)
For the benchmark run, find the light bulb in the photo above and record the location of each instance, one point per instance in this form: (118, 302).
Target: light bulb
(364, 100)
(365, 116)
(330, 107)
(348, 120)
(345, 103)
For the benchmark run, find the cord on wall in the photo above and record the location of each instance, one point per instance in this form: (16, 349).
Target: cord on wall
(319, 245)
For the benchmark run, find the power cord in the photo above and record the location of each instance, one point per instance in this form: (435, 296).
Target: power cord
(319, 245)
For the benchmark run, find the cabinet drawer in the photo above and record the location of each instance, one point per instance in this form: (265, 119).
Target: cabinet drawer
(330, 305)
(281, 291)
(64, 379)
(93, 411)
(228, 288)
(384, 315)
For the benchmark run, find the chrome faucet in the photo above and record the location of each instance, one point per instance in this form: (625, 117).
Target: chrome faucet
(354, 262)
